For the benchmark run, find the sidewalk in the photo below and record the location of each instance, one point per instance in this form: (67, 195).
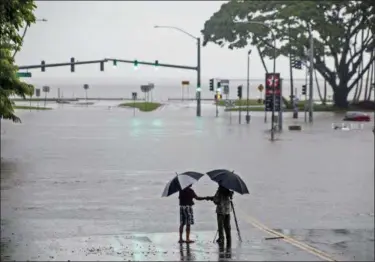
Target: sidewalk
(157, 247)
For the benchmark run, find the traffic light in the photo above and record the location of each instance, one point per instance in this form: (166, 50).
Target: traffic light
(304, 89)
(72, 64)
(198, 88)
(102, 66)
(218, 88)
(239, 92)
(136, 64)
(218, 97)
(212, 84)
(43, 68)
(114, 63)
(156, 62)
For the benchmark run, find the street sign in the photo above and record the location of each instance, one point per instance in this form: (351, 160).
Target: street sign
(85, 86)
(226, 90)
(185, 83)
(23, 74)
(134, 95)
(46, 89)
(151, 85)
(272, 85)
(37, 92)
(260, 88)
(224, 81)
(145, 88)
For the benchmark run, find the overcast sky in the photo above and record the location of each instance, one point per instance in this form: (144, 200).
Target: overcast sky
(125, 29)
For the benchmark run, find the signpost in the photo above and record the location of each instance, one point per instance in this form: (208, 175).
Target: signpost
(226, 90)
(134, 96)
(152, 86)
(184, 84)
(145, 89)
(37, 94)
(260, 88)
(86, 86)
(230, 104)
(45, 90)
(281, 108)
(273, 97)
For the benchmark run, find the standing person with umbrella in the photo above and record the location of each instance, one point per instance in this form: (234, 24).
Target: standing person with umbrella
(222, 200)
(228, 181)
(186, 211)
(182, 183)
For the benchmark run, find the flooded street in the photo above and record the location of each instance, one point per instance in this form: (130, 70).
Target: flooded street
(85, 183)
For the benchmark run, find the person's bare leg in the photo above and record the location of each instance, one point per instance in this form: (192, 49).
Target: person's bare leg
(187, 233)
(181, 232)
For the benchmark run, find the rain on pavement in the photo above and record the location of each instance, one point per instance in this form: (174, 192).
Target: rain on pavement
(84, 183)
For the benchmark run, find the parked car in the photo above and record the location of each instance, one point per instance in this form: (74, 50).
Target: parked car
(357, 116)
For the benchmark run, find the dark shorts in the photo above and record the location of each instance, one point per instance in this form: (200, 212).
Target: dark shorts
(186, 215)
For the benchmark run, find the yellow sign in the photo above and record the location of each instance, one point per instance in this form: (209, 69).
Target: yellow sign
(185, 83)
(260, 88)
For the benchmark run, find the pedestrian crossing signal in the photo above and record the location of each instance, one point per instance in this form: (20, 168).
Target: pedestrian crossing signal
(304, 89)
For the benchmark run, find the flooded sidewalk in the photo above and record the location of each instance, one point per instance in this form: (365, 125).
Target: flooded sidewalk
(157, 247)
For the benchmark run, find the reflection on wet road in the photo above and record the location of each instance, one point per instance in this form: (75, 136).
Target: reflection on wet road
(84, 183)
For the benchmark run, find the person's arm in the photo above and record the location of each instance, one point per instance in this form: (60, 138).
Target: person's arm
(216, 198)
(194, 196)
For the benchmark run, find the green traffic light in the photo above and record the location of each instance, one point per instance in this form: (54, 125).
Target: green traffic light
(135, 63)
(156, 62)
(114, 62)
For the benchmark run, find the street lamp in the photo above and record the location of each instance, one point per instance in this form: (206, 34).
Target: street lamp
(248, 87)
(274, 71)
(24, 33)
(198, 90)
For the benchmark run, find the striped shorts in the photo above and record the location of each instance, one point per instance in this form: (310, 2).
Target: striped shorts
(186, 215)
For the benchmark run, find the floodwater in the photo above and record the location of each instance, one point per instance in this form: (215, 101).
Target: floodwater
(84, 183)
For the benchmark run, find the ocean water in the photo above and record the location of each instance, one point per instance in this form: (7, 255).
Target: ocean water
(164, 88)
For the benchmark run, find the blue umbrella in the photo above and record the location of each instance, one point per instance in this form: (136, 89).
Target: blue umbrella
(180, 182)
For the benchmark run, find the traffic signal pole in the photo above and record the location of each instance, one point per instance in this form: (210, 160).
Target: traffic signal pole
(62, 64)
(304, 107)
(152, 64)
(239, 95)
(198, 89)
(248, 88)
(311, 56)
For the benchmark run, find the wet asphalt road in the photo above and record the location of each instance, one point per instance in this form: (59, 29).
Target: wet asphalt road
(84, 183)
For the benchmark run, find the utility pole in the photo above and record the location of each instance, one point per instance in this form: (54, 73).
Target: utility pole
(291, 68)
(198, 68)
(198, 76)
(248, 88)
(311, 53)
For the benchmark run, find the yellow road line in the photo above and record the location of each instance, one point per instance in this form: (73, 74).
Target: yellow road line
(289, 239)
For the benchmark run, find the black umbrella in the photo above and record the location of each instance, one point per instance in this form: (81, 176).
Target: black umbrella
(180, 182)
(229, 180)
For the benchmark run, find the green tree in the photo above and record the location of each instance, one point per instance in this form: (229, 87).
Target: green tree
(14, 14)
(337, 27)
